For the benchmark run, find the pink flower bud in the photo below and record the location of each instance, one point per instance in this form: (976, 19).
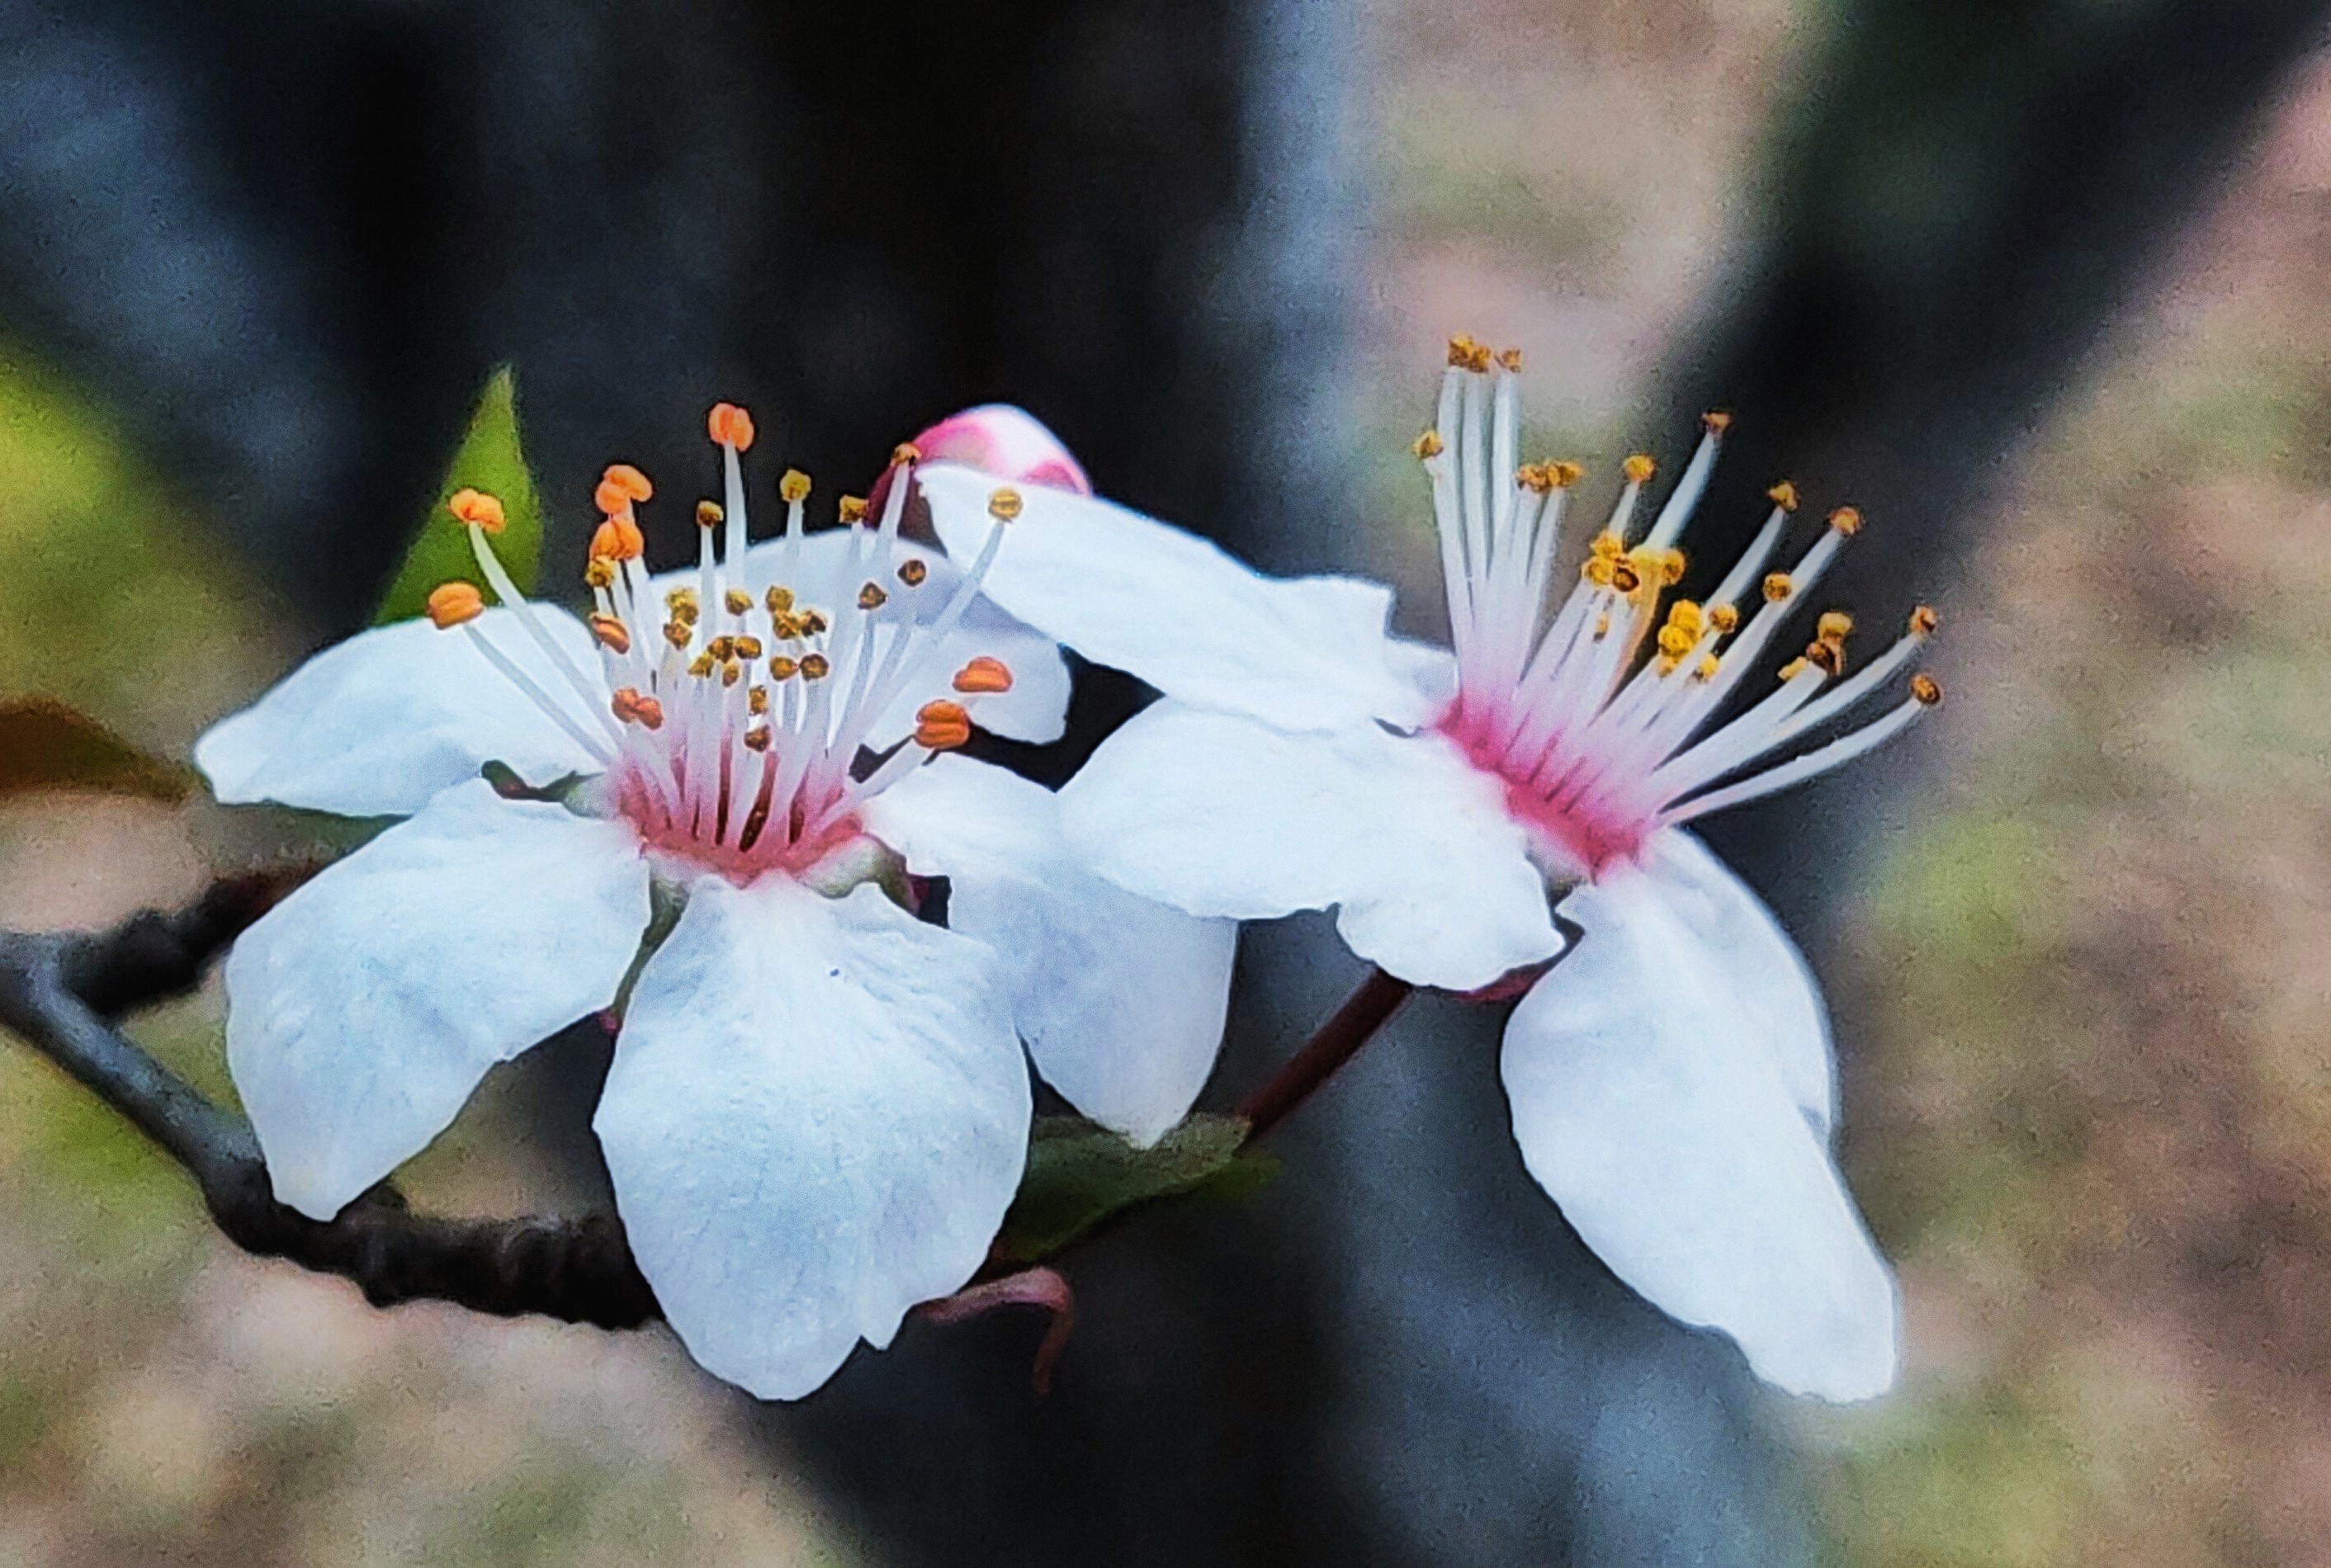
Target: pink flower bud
(998, 439)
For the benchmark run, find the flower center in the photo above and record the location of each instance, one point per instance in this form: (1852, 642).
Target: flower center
(732, 706)
(1597, 717)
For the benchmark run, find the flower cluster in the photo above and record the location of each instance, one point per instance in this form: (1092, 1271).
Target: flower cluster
(707, 810)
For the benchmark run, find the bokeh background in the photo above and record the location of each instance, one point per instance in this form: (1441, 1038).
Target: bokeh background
(2041, 286)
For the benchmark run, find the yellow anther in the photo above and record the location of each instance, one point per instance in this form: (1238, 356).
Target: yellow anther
(852, 509)
(1598, 570)
(598, 572)
(1675, 642)
(1534, 478)
(1608, 546)
(1671, 567)
(1602, 627)
(1927, 690)
(1004, 503)
(1706, 668)
(731, 673)
(1562, 473)
(678, 632)
(738, 602)
(749, 647)
(702, 666)
(709, 515)
(1468, 352)
(1687, 613)
(1829, 657)
(1778, 587)
(1783, 495)
(478, 509)
(1834, 626)
(788, 627)
(757, 701)
(757, 738)
(872, 596)
(1845, 521)
(942, 725)
(1624, 577)
(780, 599)
(1923, 621)
(1715, 422)
(631, 708)
(784, 668)
(905, 455)
(1639, 468)
(611, 634)
(722, 647)
(812, 622)
(1725, 618)
(912, 571)
(452, 603)
(983, 675)
(816, 667)
(729, 425)
(619, 539)
(793, 488)
(1511, 358)
(1792, 669)
(1428, 446)
(682, 603)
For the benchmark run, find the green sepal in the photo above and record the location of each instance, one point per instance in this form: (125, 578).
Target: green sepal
(492, 458)
(1081, 1176)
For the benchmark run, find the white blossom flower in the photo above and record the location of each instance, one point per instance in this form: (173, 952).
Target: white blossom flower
(1671, 1079)
(818, 1110)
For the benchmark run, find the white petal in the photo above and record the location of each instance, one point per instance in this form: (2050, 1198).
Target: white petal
(816, 1118)
(375, 725)
(362, 1009)
(1036, 707)
(1773, 995)
(1678, 1153)
(1218, 814)
(1135, 594)
(1120, 999)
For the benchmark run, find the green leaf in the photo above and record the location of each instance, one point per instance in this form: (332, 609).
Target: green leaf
(491, 458)
(47, 745)
(1081, 1176)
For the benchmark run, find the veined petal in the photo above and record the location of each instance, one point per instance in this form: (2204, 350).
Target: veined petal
(364, 1008)
(1223, 815)
(1120, 999)
(816, 1117)
(1674, 1147)
(375, 725)
(1135, 594)
(1770, 992)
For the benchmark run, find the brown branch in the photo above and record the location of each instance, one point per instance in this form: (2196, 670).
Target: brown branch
(57, 991)
(1334, 1043)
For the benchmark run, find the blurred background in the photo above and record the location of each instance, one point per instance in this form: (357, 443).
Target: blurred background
(2041, 286)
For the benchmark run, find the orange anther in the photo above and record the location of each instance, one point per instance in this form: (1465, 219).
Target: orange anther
(450, 603)
(982, 675)
(618, 539)
(1927, 690)
(905, 455)
(1511, 358)
(1562, 473)
(1715, 422)
(477, 509)
(1783, 495)
(1923, 621)
(942, 725)
(730, 425)
(611, 634)
(633, 708)
(1467, 352)
(1639, 468)
(629, 479)
(1845, 521)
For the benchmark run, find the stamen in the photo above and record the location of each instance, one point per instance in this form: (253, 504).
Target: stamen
(452, 604)
(611, 634)
(478, 509)
(912, 571)
(942, 725)
(730, 426)
(983, 675)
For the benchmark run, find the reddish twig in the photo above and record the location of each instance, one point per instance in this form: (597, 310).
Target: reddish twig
(1366, 1011)
(1041, 1288)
